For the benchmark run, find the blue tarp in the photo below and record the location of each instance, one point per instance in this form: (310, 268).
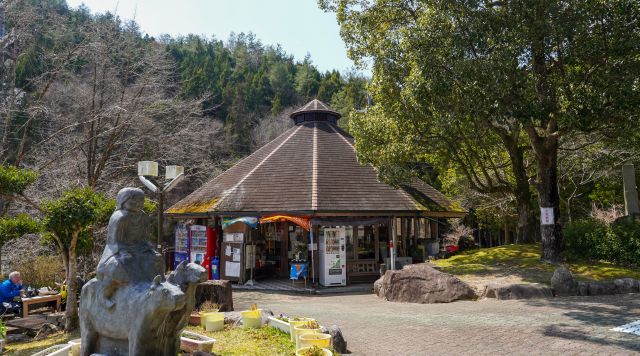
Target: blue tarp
(250, 221)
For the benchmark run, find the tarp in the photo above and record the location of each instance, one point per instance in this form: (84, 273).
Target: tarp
(298, 220)
(250, 221)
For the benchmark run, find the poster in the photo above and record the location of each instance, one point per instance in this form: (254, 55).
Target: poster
(232, 269)
(227, 251)
(546, 216)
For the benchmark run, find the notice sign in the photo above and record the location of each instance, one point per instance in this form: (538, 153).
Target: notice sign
(546, 216)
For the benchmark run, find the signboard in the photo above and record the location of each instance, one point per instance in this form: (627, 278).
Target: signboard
(546, 216)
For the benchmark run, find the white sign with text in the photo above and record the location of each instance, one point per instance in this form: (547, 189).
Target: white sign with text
(546, 216)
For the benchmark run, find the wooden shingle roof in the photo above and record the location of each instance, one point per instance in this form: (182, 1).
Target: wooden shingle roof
(310, 169)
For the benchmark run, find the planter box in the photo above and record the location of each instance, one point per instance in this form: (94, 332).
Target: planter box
(191, 342)
(279, 324)
(326, 352)
(56, 350)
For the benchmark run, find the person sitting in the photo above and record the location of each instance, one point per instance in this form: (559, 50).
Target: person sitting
(10, 292)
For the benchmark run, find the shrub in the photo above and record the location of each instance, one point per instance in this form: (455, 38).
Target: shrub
(618, 242)
(40, 271)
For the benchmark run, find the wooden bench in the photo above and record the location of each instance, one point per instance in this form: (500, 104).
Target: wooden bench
(26, 302)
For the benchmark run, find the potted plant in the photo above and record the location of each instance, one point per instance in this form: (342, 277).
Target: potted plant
(313, 351)
(309, 327)
(280, 322)
(295, 321)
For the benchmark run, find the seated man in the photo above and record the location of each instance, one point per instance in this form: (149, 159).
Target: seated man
(10, 292)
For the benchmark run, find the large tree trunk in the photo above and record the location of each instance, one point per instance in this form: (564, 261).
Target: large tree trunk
(527, 230)
(549, 197)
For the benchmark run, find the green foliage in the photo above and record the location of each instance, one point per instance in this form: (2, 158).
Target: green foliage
(3, 330)
(15, 227)
(14, 180)
(618, 242)
(76, 212)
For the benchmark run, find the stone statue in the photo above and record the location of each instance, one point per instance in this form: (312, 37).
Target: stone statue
(130, 308)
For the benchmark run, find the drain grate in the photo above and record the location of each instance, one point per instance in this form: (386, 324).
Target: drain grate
(631, 328)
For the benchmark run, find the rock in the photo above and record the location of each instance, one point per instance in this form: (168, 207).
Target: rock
(46, 330)
(217, 292)
(421, 283)
(13, 338)
(602, 288)
(517, 291)
(563, 283)
(233, 318)
(56, 319)
(338, 341)
(583, 288)
(377, 285)
(626, 285)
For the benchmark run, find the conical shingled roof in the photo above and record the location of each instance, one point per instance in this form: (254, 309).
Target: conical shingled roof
(315, 105)
(310, 169)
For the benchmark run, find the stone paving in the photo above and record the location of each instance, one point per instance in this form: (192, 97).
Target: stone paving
(560, 326)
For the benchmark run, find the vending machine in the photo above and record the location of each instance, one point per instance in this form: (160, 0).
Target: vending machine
(182, 245)
(333, 264)
(196, 243)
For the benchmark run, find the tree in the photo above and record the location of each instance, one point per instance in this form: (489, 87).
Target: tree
(551, 67)
(13, 182)
(69, 220)
(15, 227)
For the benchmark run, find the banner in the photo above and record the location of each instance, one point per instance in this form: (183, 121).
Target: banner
(298, 220)
(250, 221)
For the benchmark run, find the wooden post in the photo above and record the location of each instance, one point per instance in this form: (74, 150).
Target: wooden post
(630, 190)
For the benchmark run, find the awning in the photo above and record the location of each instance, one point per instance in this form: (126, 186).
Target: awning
(250, 221)
(298, 220)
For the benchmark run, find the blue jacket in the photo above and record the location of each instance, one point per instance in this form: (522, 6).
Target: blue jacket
(9, 290)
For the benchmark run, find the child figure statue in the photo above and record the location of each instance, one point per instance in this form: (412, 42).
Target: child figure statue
(128, 256)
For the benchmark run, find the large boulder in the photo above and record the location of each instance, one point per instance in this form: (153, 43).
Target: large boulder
(563, 283)
(218, 292)
(627, 285)
(337, 340)
(421, 283)
(517, 291)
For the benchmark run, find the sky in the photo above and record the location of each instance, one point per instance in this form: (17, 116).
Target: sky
(299, 26)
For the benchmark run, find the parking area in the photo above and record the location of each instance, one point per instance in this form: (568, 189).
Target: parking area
(560, 326)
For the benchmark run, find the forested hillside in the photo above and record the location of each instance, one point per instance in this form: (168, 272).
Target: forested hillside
(85, 96)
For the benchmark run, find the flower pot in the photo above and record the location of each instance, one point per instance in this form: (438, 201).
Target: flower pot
(55, 350)
(191, 342)
(195, 319)
(279, 324)
(211, 316)
(302, 350)
(301, 331)
(320, 340)
(251, 318)
(294, 323)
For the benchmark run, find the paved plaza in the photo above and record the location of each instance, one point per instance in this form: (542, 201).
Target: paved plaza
(561, 326)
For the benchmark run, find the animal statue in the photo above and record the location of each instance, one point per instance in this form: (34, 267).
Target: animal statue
(125, 310)
(187, 277)
(147, 318)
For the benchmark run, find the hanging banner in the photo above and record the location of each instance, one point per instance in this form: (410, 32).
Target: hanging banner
(250, 221)
(300, 221)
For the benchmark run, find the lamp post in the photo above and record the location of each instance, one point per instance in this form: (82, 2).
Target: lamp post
(147, 172)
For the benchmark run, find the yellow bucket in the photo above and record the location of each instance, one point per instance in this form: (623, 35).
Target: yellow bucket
(301, 331)
(294, 323)
(251, 318)
(213, 316)
(323, 341)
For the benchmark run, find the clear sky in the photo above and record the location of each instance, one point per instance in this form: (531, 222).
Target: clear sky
(299, 26)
